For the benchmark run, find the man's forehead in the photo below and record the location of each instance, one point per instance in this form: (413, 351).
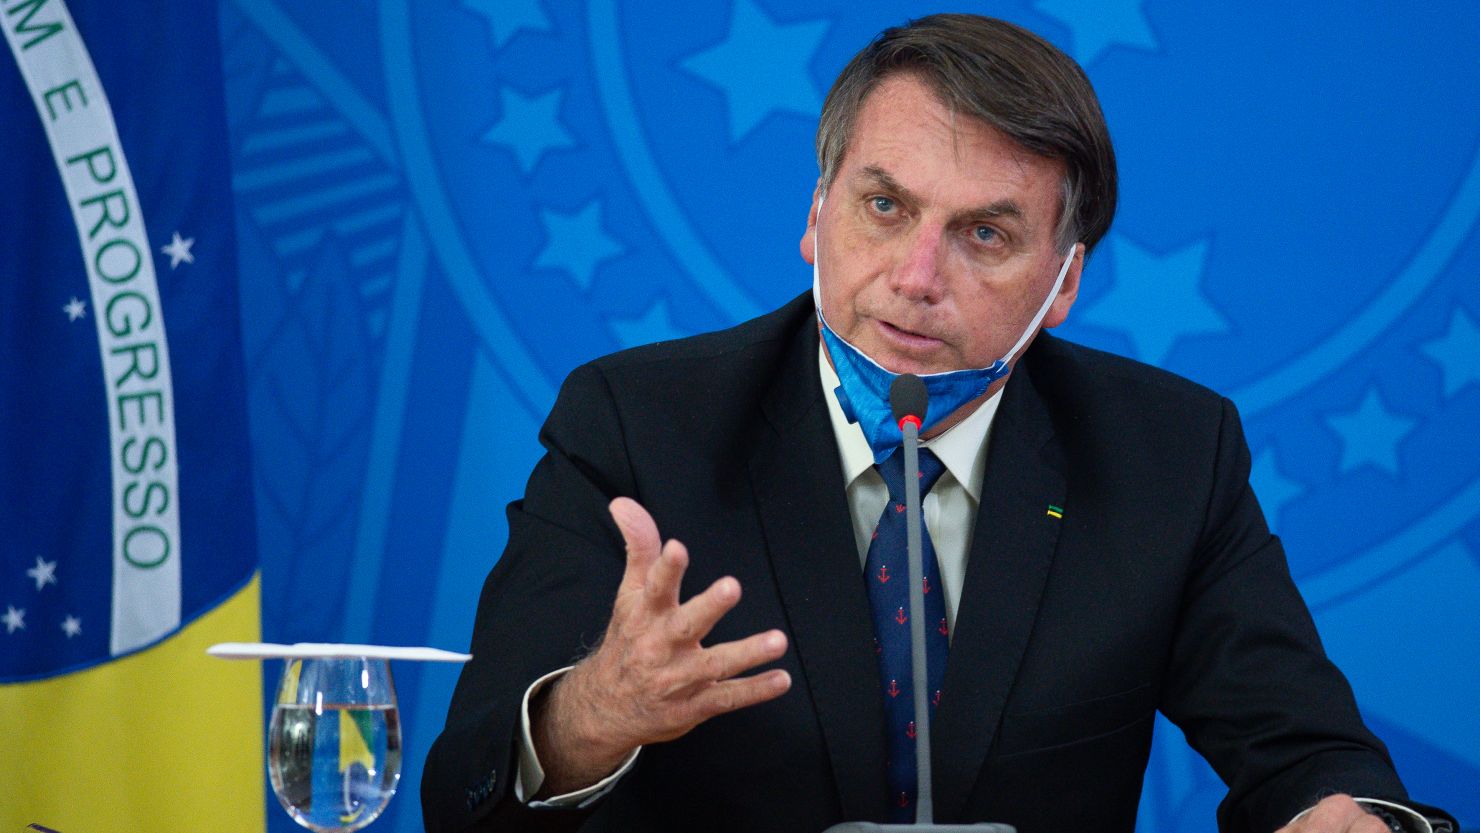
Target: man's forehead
(903, 109)
(912, 90)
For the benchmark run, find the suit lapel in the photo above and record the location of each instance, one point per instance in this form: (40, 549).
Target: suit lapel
(797, 479)
(1011, 551)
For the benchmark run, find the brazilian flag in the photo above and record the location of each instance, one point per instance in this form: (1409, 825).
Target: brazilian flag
(126, 531)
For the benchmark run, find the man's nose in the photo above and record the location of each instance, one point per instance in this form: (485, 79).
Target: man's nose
(917, 276)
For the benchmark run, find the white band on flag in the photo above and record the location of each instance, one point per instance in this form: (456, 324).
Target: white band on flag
(74, 109)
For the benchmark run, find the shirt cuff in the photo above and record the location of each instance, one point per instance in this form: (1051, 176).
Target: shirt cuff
(1411, 820)
(531, 776)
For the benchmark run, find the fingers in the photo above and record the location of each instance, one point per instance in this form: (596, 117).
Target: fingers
(695, 618)
(664, 577)
(740, 693)
(651, 674)
(640, 533)
(652, 566)
(726, 660)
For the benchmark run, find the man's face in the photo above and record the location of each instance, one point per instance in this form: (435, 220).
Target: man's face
(937, 236)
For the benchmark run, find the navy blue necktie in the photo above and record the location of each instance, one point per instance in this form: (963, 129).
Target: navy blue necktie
(888, 579)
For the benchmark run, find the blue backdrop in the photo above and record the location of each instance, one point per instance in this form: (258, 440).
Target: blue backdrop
(445, 206)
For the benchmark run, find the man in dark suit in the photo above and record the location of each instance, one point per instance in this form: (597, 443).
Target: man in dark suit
(1101, 555)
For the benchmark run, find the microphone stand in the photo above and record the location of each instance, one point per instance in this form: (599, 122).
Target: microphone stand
(908, 399)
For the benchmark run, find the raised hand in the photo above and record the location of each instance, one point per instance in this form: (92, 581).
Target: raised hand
(650, 679)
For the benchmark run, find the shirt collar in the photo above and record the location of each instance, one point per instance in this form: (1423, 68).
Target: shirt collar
(962, 448)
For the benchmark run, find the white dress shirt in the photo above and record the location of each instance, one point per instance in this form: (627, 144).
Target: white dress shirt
(950, 507)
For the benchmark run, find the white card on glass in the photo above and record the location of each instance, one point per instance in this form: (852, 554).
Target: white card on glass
(330, 650)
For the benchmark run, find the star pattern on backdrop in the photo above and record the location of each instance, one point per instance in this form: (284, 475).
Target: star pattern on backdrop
(1457, 353)
(75, 308)
(14, 619)
(44, 573)
(507, 18)
(71, 626)
(654, 325)
(577, 243)
(1272, 487)
(1162, 293)
(1370, 434)
(1097, 25)
(762, 67)
(530, 126)
(179, 250)
(502, 41)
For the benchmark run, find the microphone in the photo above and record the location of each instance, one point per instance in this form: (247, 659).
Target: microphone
(909, 400)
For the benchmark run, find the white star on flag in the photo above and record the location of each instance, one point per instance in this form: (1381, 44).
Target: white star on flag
(45, 572)
(179, 250)
(75, 308)
(15, 620)
(71, 626)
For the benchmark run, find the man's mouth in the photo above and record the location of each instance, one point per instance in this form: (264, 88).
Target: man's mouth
(908, 338)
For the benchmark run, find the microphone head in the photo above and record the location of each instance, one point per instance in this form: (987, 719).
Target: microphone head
(907, 397)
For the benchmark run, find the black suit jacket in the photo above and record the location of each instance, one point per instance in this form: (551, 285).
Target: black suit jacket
(1159, 588)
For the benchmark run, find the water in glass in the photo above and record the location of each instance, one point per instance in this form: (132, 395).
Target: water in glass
(334, 746)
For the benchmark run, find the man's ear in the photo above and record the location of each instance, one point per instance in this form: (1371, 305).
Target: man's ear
(809, 237)
(1059, 311)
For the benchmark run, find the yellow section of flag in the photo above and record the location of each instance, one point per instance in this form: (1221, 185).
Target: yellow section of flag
(352, 746)
(166, 739)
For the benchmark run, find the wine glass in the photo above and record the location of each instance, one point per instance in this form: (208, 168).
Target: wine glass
(334, 746)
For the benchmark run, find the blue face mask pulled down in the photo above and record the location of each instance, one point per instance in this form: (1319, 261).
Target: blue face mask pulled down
(864, 389)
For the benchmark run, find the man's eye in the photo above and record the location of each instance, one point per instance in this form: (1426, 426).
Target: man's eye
(883, 205)
(985, 234)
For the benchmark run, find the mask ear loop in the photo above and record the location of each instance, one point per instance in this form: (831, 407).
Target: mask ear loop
(1058, 283)
(816, 271)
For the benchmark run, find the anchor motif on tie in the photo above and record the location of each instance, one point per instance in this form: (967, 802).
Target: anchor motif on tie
(904, 799)
(910, 730)
(944, 631)
(878, 649)
(893, 689)
(935, 701)
(926, 581)
(900, 617)
(884, 574)
(899, 507)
